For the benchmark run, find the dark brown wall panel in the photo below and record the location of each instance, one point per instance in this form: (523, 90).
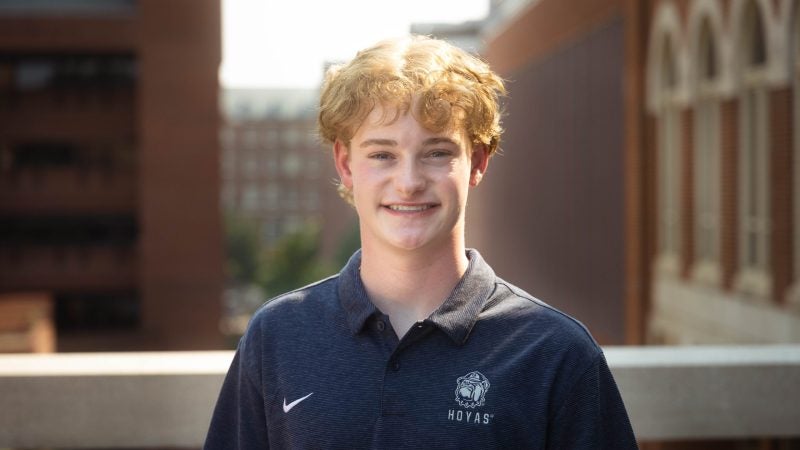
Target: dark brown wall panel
(549, 217)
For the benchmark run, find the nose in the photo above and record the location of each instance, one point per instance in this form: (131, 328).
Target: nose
(410, 178)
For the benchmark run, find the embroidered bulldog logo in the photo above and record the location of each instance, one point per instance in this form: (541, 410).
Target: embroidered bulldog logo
(471, 389)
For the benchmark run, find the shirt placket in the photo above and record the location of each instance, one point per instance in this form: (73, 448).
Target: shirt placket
(396, 382)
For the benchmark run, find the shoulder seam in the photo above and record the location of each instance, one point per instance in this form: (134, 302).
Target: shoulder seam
(300, 289)
(532, 299)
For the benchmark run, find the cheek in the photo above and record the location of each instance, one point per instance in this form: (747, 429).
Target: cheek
(365, 180)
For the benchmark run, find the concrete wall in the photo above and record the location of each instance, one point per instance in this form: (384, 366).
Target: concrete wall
(151, 400)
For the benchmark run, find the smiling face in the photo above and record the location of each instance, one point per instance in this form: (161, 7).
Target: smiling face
(409, 184)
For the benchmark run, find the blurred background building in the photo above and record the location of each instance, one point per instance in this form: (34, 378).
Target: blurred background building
(275, 169)
(651, 184)
(653, 178)
(109, 179)
(279, 198)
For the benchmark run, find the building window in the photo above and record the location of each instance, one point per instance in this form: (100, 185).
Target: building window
(292, 200)
(271, 231)
(292, 137)
(228, 161)
(271, 139)
(250, 198)
(250, 138)
(753, 276)
(706, 266)
(312, 201)
(227, 137)
(228, 196)
(272, 197)
(97, 311)
(312, 166)
(292, 165)
(250, 163)
(668, 163)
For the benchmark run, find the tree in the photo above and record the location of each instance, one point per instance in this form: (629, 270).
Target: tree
(245, 253)
(294, 262)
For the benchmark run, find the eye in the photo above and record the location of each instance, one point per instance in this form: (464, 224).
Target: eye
(440, 153)
(381, 156)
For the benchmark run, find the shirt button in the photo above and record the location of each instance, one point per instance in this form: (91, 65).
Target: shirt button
(396, 366)
(381, 325)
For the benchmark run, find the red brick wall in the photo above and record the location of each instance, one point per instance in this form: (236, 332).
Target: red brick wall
(781, 247)
(687, 191)
(24, 34)
(649, 200)
(181, 237)
(175, 267)
(544, 27)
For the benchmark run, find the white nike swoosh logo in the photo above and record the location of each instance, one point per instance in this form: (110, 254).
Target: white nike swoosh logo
(287, 408)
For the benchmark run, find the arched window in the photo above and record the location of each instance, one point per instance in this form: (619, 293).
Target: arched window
(668, 162)
(753, 266)
(707, 179)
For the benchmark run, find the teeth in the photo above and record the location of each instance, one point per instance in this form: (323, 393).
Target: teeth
(408, 208)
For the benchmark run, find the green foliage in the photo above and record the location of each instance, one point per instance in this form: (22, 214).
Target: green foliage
(349, 243)
(294, 262)
(244, 250)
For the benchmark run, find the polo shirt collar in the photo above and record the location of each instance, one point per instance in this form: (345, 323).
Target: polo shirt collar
(455, 317)
(352, 295)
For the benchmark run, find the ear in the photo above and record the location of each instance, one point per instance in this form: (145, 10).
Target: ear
(480, 161)
(341, 159)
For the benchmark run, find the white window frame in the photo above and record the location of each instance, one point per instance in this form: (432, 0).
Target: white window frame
(753, 276)
(706, 196)
(669, 133)
(668, 193)
(706, 266)
(753, 234)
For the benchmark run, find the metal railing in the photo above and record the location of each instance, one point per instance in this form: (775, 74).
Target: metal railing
(165, 399)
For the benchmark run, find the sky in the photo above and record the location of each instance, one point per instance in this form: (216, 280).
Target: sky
(284, 43)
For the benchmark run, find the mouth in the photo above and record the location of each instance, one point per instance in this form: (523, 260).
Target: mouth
(410, 208)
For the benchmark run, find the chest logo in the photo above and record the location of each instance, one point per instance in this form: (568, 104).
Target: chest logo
(287, 408)
(471, 389)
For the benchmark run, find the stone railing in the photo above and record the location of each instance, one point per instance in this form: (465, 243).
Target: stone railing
(165, 399)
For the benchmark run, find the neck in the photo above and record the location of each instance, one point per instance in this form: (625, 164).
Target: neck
(409, 285)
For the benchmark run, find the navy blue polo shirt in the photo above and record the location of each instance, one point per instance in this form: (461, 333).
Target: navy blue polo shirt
(492, 367)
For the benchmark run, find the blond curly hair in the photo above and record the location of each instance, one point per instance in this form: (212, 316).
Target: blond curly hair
(447, 86)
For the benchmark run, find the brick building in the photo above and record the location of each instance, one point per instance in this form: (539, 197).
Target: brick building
(720, 82)
(550, 215)
(650, 184)
(275, 170)
(279, 178)
(109, 169)
(650, 166)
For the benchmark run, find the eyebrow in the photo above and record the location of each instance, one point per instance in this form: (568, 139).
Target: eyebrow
(393, 143)
(439, 140)
(383, 142)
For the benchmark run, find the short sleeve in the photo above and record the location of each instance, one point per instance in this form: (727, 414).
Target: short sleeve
(239, 419)
(593, 415)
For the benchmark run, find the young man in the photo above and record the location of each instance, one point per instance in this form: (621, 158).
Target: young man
(416, 343)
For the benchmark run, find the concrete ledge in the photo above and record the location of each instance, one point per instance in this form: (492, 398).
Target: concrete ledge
(109, 400)
(726, 392)
(115, 400)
